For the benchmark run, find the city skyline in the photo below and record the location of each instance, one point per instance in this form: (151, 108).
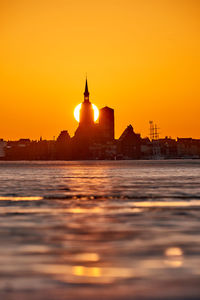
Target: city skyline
(142, 59)
(94, 139)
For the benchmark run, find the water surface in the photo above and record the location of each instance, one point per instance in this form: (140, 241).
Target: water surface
(100, 230)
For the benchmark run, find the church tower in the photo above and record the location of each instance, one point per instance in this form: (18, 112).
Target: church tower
(92, 140)
(85, 130)
(86, 112)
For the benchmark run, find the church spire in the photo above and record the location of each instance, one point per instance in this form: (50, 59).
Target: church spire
(86, 93)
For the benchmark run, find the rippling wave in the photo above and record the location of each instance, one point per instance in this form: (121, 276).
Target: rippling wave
(100, 230)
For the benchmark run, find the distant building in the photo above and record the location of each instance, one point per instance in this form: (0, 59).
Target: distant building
(188, 148)
(62, 146)
(129, 144)
(106, 150)
(23, 142)
(168, 147)
(146, 148)
(106, 123)
(2, 148)
(63, 137)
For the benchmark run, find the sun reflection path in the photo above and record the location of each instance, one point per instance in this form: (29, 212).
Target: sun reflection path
(174, 257)
(86, 272)
(166, 203)
(20, 198)
(89, 257)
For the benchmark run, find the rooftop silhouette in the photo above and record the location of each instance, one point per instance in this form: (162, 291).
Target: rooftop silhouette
(96, 140)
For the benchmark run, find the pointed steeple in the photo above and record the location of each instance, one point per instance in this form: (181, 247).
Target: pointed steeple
(86, 93)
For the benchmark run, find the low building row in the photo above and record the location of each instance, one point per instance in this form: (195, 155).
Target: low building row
(130, 145)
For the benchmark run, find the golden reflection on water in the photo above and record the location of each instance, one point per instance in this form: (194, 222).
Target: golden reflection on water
(174, 257)
(85, 274)
(89, 257)
(20, 198)
(85, 271)
(166, 203)
(80, 210)
(173, 251)
(174, 263)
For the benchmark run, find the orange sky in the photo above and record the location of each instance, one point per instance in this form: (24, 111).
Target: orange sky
(142, 59)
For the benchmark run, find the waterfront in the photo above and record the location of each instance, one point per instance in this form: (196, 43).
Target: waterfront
(100, 230)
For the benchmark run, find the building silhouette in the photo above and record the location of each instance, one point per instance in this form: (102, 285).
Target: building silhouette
(107, 124)
(62, 146)
(129, 144)
(86, 128)
(87, 132)
(96, 140)
(2, 148)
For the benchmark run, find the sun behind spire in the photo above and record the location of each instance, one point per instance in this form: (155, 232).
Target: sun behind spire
(86, 106)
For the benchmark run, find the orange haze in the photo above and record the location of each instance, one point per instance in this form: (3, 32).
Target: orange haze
(141, 58)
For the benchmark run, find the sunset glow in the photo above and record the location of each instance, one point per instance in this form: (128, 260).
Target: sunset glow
(141, 57)
(77, 112)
